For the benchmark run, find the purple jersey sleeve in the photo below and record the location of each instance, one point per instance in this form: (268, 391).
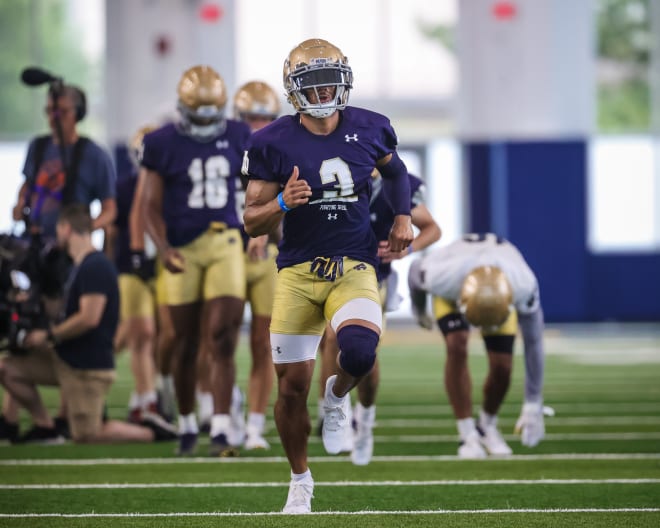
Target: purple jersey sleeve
(338, 168)
(199, 178)
(382, 214)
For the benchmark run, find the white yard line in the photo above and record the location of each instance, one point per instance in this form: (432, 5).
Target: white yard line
(317, 459)
(334, 484)
(362, 512)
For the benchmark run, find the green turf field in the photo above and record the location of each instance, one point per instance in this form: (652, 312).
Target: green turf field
(598, 466)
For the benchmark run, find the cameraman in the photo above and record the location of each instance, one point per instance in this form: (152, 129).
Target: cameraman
(64, 167)
(61, 168)
(77, 354)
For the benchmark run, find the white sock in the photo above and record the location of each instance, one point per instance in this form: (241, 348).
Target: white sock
(365, 415)
(466, 426)
(204, 405)
(302, 476)
(134, 401)
(330, 398)
(147, 398)
(256, 422)
(220, 424)
(487, 420)
(188, 424)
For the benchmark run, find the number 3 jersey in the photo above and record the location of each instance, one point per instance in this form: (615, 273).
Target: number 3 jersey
(338, 166)
(200, 179)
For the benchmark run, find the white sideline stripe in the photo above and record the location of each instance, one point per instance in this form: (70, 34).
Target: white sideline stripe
(337, 484)
(361, 512)
(560, 437)
(317, 459)
(574, 407)
(554, 421)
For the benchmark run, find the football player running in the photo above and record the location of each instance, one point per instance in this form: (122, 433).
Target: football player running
(364, 415)
(190, 205)
(257, 104)
(312, 171)
(483, 280)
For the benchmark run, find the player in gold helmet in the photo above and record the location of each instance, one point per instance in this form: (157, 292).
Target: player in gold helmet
(483, 281)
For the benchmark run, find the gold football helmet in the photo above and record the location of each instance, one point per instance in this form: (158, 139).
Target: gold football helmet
(310, 65)
(486, 297)
(202, 101)
(135, 145)
(256, 99)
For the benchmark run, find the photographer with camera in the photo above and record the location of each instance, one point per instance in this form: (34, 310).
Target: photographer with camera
(77, 353)
(60, 168)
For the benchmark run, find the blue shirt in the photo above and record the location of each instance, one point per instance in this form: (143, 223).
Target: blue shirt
(95, 181)
(94, 348)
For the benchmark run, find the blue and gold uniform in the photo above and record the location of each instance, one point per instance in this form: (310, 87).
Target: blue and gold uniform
(136, 292)
(327, 255)
(199, 210)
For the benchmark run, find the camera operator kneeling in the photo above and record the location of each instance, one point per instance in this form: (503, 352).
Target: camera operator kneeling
(77, 354)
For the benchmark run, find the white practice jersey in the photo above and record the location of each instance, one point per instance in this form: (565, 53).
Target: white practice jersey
(442, 270)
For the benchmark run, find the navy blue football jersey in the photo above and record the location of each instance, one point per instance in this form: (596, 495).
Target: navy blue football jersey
(199, 178)
(337, 167)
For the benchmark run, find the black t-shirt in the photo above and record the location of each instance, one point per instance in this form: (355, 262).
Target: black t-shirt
(93, 349)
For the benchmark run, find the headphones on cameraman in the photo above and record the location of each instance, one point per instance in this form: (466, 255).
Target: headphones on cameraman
(79, 101)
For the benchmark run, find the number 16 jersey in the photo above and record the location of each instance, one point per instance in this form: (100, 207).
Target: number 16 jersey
(199, 178)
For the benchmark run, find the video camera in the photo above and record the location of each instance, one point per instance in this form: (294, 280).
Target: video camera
(29, 270)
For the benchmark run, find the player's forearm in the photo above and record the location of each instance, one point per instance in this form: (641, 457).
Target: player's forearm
(531, 327)
(263, 219)
(155, 228)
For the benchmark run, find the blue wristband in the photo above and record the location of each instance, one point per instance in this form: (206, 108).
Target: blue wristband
(280, 200)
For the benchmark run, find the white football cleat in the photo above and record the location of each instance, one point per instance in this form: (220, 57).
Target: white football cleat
(300, 496)
(470, 448)
(363, 446)
(492, 440)
(255, 440)
(335, 421)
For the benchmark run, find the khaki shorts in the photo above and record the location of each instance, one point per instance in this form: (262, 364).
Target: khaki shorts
(83, 391)
(137, 298)
(304, 302)
(214, 267)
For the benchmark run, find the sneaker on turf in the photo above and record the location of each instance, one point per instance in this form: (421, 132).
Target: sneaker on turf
(491, 439)
(187, 444)
(300, 496)
(236, 433)
(255, 440)
(162, 429)
(363, 443)
(335, 421)
(471, 448)
(219, 447)
(42, 435)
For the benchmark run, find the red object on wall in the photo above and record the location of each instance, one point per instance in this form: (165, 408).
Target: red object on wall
(210, 12)
(504, 10)
(163, 45)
